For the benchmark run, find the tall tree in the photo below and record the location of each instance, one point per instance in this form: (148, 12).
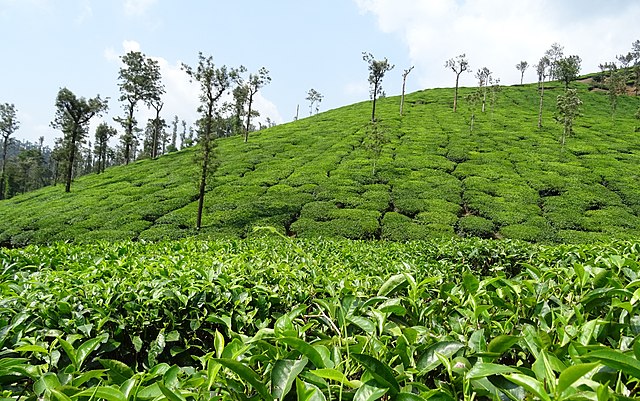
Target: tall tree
(377, 69)
(240, 97)
(555, 53)
(542, 68)
(104, 132)
(404, 82)
(374, 142)
(458, 65)
(72, 118)
(174, 134)
(615, 80)
(8, 125)
(139, 81)
(567, 69)
(483, 75)
(314, 97)
(568, 109)
(522, 67)
(158, 125)
(214, 82)
(254, 84)
(635, 51)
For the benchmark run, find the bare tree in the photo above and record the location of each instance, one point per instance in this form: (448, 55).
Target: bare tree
(404, 81)
(458, 65)
(484, 77)
(314, 97)
(254, 83)
(542, 68)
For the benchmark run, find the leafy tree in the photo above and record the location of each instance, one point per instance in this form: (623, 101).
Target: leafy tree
(522, 67)
(314, 97)
(72, 118)
(377, 69)
(635, 51)
(404, 81)
(140, 80)
(483, 76)
(214, 82)
(458, 65)
(254, 83)
(158, 125)
(555, 53)
(174, 135)
(104, 132)
(542, 68)
(568, 109)
(615, 80)
(8, 125)
(472, 100)
(567, 69)
(240, 97)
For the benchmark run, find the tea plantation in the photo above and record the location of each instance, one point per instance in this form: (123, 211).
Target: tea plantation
(434, 177)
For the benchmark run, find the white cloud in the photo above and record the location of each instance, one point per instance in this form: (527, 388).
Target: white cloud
(137, 7)
(499, 33)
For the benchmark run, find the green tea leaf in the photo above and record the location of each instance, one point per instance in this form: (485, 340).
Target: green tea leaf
(429, 360)
(170, 394)
(47, 381)
(118, 372)
(336, 375)
(480, 370)
(409, 397)
(106, 393)
(32, 348)
(305, 349)
(308, 392)
(470, 282)
(393, 284)
(530, 384)
(283, 374)
(616, 360)
(574, 373)
(246, 373)
(218, 343)
(88, 347)
(502, 343)
(381, 372)
(369, 392)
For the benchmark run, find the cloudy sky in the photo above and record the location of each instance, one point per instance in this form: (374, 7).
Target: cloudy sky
(49, 44)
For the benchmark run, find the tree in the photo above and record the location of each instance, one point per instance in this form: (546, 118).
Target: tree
(140, 80)
(72, 118)
(374, 141)
(567, 69)
(568, 109)
(484, 77)
(104, 132)
(214, 82)
(522, 67)
(174, 135)
(254, 83)
(555, 53)
(638, 118)
(615, 80)
(458, 65)
(472, 100)
(314, 97)
(542, 68)
(240, 97)
(377, 69)
(404, 81)
(8, 125)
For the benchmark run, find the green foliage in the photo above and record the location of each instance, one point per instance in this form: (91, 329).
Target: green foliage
(273, 318)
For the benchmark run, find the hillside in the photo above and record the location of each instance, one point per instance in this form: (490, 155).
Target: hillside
(314, 177)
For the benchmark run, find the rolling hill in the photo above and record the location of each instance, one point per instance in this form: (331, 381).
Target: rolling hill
(434, 177)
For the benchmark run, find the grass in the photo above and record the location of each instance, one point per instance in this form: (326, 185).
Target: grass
(313, 177)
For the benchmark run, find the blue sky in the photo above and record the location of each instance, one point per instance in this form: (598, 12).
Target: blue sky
(48, 44)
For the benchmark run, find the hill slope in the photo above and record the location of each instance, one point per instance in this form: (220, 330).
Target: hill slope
(434, 177)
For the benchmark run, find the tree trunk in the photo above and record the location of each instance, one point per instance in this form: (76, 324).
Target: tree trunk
(246, 131)
(373, 110)
(455, 96)
(484, 99)
(72, 156)
(404, 81)
(521, 77)
(203, 181)
(5, 145)
(129, 133)
(541, 100)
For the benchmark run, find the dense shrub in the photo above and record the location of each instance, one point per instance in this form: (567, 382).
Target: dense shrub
(475, 226)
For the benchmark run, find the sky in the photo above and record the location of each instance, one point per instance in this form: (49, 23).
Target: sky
(50, 44)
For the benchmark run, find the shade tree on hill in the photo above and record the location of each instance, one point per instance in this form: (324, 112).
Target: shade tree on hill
(139, 80)
(314, 98)
(255, 82)
(483, 75)
(567, 69)
(8, 125)
(543, 70)
(459, 65)
(554, 54)
(377, 70)
(568, 109)
(522, 67)
(405, 73)
(72, 118)
(214, 83)
(104, 132)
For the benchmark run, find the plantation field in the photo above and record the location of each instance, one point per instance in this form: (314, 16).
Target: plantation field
(272, 318)
(315, 177)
